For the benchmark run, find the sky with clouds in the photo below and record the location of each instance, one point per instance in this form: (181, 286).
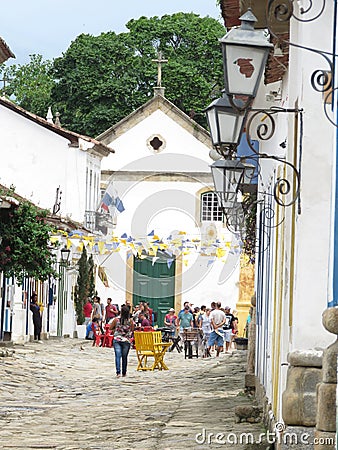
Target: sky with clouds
(47, 27)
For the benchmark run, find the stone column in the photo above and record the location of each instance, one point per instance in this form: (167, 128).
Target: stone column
(325, 432)
(250, 367)
(299, 399)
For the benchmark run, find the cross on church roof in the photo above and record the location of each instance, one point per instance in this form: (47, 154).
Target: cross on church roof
(159, 61)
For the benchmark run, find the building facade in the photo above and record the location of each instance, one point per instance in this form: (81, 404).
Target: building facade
(177, 247)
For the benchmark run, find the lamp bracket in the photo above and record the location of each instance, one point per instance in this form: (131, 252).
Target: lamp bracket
(227, 151)
(243, 105)
(264, 131)
(282, 11)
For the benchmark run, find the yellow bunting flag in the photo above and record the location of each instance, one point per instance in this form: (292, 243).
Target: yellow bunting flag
(101, 245)
(91, 244)
(220, 252)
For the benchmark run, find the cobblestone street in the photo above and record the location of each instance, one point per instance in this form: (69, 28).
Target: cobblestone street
(63, 394)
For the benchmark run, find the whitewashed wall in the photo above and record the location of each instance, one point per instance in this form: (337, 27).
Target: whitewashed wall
(310, 291)
(37, 161)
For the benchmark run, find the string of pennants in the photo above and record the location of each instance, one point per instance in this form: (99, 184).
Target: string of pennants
(175, 245)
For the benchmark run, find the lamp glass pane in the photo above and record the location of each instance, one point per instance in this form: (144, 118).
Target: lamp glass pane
(230, 127)
(244, 66)
(236, 175)
(212, 121)
(218, 177)
(223, 181)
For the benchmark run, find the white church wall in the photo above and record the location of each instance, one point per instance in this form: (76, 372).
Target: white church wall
(132, 146)
(167, 208)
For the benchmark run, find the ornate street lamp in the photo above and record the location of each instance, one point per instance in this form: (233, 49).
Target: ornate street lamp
(225, 124)
(245, 52)
(228, 176)
(65, 253)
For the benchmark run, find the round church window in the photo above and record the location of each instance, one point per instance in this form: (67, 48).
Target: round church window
(156, 143)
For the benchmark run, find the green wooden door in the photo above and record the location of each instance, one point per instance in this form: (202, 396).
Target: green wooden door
(155, 284)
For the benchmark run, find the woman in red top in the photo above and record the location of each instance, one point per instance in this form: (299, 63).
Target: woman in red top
(170, 321)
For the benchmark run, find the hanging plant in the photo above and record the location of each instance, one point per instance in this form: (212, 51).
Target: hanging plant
(249, 237)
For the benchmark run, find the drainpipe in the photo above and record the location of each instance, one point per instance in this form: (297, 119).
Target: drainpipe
(333, 296)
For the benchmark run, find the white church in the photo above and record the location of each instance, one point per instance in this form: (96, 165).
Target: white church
(169, 243)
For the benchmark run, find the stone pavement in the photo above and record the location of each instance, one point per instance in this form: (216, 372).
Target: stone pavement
(64, 395)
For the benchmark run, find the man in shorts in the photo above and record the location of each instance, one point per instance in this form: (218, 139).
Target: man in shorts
(217, 318)
(227, 328)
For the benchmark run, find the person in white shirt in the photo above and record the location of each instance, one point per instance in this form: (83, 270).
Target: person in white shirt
(217, 319)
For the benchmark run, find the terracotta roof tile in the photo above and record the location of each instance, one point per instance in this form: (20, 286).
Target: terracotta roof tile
(5, 51)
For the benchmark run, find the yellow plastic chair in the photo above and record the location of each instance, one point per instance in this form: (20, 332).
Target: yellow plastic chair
(149, 344)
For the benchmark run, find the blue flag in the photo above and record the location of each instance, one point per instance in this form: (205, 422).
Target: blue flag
(119, 205)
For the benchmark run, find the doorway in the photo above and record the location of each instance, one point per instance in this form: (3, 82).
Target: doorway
(155, 283)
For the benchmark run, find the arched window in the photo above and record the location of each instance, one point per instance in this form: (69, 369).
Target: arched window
(210, 210)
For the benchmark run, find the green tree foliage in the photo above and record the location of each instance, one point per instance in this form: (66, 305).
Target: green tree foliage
(101, 79)
(24, 249)
(91, 277)
(82, 286)
(30, 85)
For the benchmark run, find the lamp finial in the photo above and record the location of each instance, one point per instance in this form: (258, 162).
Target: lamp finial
(248, 20)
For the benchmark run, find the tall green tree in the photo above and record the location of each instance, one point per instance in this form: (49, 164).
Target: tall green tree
(29, 85)
(101, 79)
(91, 277)
(82, 286)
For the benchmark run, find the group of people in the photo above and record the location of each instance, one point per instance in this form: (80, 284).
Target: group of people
(95, 309)
(218, 324)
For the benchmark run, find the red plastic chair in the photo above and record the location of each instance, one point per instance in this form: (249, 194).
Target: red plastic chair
(98, 336)
(108, 337)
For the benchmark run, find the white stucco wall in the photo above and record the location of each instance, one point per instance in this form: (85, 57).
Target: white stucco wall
(37, 161)
(132, 146)
(313, 224)
(294, 311)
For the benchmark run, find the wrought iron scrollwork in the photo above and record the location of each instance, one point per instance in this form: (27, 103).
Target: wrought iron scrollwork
(320, 80)
(265, 131)
(283, 10)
